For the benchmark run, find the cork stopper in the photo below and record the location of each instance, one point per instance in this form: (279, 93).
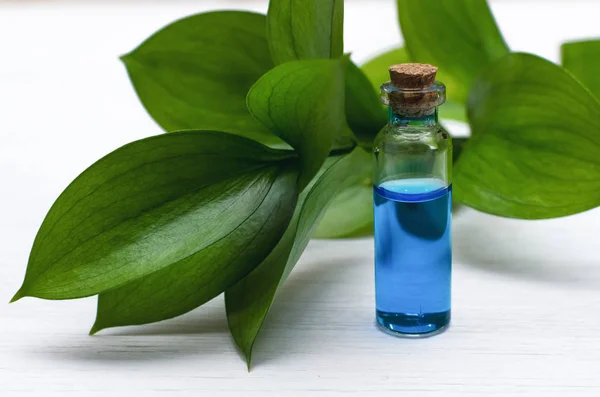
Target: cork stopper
(413, 76)
(413, 90)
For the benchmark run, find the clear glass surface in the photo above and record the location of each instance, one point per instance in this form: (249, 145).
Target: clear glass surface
(413, 207)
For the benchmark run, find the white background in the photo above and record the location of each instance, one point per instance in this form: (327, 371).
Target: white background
(526, 294)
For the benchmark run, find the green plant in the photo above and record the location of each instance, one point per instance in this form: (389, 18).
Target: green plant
(274, 125)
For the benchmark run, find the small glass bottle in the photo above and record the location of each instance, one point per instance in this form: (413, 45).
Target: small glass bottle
(413, 206)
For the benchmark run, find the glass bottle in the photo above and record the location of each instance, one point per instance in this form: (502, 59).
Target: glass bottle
(413, 206)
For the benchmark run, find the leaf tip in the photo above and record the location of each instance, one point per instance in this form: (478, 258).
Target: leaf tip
(20, 294)
(95, 329)
(125, 58)
(248, 354)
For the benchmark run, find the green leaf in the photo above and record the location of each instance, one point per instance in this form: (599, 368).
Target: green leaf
(581, 59)
(193, 281)
(458, 36)
(249, 301)
(377, 72)
(351, 211)
(535, 150)
(364, 113)
(377, 69)
(305, 29)
(458, 144)
(159, 205)
(195, 73)
(303, 103)
(453, 110)
(350, 214)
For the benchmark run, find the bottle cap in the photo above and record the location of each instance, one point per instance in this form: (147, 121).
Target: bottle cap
(413, 76)
(413, 91)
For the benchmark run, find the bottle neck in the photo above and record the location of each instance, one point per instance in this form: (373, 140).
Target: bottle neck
(397, 120)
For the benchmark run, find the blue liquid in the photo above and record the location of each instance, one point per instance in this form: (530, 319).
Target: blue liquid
(413, 255)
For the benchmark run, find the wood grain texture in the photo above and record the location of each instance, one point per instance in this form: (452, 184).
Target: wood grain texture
(525, 294)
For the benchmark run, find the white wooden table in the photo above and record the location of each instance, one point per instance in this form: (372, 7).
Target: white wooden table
(526, 294)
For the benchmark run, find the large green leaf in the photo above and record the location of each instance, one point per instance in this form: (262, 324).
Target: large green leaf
(582, 58)
(377, 71)
(313, 29)
(249, 301)
(364, 113)
(195, 73)
(303, 103)
(163, 205)
(193, 281)
(458, 36)
(305, 29)
(535, 151)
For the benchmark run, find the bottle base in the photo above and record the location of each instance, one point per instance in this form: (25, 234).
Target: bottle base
(412, 325)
